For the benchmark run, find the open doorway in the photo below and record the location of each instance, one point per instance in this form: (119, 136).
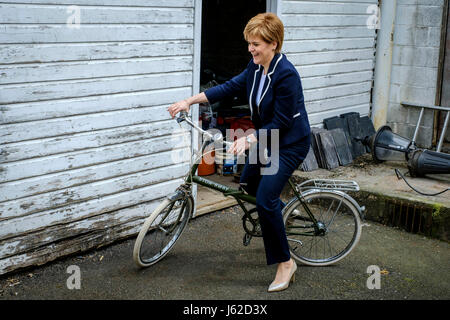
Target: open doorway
(224, 50)
(224, 55)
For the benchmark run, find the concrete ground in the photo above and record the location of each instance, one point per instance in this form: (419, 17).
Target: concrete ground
(210, 262)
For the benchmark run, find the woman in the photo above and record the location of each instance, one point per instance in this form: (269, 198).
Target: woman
(275, 95)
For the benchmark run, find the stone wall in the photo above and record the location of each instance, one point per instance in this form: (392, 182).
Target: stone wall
(415, 63)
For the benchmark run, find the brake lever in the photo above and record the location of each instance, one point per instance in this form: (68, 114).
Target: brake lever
(179, 119)
(182, 117)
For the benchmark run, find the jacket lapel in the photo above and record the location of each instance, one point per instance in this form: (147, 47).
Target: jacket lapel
(254, 90)
(257, 78)
(265, 84)
(273, 64)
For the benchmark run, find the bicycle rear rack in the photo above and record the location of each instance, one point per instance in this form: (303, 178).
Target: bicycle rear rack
(329, 184)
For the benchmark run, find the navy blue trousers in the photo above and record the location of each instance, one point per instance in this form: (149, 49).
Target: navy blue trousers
(267, 188)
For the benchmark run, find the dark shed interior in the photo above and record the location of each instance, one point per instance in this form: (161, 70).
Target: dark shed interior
(224, 55)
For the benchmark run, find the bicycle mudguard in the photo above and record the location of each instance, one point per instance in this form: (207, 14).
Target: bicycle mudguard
(337, 192)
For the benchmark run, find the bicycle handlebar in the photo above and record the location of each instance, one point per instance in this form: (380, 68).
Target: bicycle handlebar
(215, 138)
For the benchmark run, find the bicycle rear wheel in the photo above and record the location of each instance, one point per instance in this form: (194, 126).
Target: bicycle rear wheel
(336, 234)
(161, 230)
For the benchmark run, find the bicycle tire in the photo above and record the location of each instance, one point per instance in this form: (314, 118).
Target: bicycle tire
(168, 222)
(341, 230)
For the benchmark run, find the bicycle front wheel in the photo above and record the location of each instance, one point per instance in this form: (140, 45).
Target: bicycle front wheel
(161, 230)
(332, 238)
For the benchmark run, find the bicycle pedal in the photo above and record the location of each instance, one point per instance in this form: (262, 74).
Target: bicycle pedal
(247, 238)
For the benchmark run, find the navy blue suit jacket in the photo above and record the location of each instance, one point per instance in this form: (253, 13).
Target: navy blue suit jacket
(281, 105)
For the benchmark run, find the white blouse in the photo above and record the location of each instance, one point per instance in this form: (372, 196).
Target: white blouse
(261, 85)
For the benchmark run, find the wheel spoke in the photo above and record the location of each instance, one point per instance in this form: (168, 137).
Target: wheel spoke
(334, 215)
(163, 230)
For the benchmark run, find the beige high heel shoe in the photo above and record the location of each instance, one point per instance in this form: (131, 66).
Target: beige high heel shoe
(284, 285)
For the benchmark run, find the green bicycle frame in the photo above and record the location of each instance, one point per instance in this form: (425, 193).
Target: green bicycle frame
(227, 191)
(240, 195)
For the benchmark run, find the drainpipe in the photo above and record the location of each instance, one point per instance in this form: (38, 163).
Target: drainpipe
(383, 63)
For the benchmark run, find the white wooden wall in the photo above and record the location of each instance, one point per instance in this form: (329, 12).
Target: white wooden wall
(87, 145)
(333, 49)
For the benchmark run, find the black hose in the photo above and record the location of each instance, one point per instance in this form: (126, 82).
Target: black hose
(400, 176)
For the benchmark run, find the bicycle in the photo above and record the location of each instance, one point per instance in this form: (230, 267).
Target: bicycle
(322, 222)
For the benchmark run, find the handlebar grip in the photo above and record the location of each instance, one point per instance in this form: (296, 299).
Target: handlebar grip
(183, 115)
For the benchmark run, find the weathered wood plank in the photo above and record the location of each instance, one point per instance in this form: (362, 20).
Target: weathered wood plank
(320, 45)
(51, 14)
(337, 91)
(315, 107)
(85, 192)
(316, 7)
(341, 1)
(58, 52)
(337, 79)
(151, 156)
(74, 142)
(120, 3)
(81, 123)
(79, 211)
(38, 72)
(317, 118)
(302, 59)
(114, 32)
(66, 161)
(324, 2)
(324, 20)
(319, 32)
(42, 110)
(323, 69)
(13, 93)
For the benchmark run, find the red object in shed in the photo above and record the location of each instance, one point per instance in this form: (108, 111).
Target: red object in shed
(241, 123)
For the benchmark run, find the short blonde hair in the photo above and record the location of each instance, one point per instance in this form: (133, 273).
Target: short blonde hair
(267, 26)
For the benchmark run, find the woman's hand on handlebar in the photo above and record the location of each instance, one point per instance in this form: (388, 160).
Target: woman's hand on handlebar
(184, 105)
(177, 107)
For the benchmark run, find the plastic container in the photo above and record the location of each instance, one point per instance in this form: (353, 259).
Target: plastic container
(207, 166)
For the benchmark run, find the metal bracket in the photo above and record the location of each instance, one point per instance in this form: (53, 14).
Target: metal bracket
(423, 107)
